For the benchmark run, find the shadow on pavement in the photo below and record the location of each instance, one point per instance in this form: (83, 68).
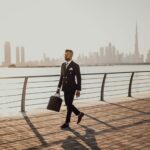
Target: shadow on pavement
(34, 129)
(88, 139)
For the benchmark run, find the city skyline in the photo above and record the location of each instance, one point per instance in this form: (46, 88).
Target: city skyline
(106, 55)
(44, 26)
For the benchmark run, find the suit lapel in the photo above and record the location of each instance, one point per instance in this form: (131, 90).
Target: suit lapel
(66, 69)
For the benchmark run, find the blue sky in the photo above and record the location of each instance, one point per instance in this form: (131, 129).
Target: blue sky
(51, 26)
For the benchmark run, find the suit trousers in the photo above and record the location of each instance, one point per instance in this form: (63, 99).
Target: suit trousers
(69, 96)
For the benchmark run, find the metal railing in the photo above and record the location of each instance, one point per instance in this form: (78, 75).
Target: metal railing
(97, 85)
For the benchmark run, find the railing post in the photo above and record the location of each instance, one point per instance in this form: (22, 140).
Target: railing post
(102, 87)
(24, 94)
(130, 85)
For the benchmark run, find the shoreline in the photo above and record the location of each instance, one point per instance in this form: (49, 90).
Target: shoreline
(93, 65)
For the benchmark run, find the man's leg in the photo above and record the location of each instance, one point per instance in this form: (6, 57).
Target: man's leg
(77, 113)
(71, 108)
(75, 110)
(69, 96)
(68, 115)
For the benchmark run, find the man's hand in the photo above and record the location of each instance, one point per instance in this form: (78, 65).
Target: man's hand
(58, 91)
(77, 93)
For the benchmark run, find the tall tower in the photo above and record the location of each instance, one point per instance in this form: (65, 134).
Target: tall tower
(7, 53)
(22, 56)
(17, 56)
(136, 48)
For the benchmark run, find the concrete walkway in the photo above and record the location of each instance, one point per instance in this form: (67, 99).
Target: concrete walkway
(115, 125)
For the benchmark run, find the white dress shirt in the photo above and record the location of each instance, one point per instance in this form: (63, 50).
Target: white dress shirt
(68, 62)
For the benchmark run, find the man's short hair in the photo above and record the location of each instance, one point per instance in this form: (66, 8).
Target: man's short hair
(69, 50)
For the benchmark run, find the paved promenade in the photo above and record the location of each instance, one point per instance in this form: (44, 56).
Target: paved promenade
(114, 125)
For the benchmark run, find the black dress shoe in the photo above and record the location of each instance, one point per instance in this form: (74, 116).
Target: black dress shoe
(65, 126)
(80, 117)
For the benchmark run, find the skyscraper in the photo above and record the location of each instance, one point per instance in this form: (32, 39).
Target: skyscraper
(22, 56)
(17, 56)
(136, 48)
(7, 53)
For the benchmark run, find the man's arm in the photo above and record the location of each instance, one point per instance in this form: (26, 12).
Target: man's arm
(60, 80)
(78, 76)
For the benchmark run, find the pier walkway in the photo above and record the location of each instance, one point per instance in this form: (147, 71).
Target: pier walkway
(109, 126)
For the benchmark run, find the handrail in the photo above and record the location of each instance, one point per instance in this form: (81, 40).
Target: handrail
(56, 75)
(102, 87)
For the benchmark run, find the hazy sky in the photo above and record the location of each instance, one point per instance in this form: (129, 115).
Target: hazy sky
(51, 26)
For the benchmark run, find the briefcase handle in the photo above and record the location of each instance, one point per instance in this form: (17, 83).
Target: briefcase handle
(57, 94)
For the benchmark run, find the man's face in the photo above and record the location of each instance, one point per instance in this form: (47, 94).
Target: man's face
(68, 56)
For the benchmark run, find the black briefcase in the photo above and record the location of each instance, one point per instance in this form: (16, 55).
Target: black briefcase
(54, 103)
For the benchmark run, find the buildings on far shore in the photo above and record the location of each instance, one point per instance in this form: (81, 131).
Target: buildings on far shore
(7, 54)
(20, 56)
(107, 55)
(110, 55)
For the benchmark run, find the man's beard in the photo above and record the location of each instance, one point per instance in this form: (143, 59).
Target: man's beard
(67, 59)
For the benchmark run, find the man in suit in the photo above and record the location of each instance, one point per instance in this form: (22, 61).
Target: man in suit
(70, 81)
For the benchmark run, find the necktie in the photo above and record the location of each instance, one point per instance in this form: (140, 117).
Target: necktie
(66, 65)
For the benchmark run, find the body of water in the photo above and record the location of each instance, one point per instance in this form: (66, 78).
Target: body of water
(4, 72)
(40, 89)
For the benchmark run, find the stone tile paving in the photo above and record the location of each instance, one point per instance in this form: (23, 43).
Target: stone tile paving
(122, 126)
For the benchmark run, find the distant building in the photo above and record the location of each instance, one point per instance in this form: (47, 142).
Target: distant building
(7, 54)
(17, 56)
(22, 56)
(101, 59)
(136, 48)
(137, 57)
(148, 57)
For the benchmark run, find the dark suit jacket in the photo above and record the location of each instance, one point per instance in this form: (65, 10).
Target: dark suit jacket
(70, 78)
